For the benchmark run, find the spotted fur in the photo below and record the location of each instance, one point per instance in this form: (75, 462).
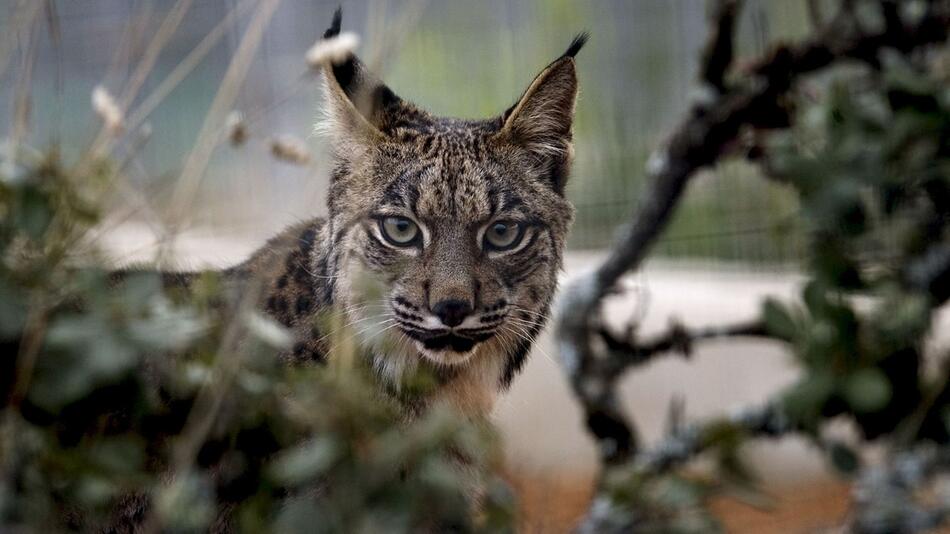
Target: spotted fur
(452, 178)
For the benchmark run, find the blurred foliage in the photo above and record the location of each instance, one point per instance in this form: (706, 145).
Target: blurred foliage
(871, 164)
(129, 403)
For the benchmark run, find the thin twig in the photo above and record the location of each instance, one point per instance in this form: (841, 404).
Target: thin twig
(628, 352)
(187, 184)
(688, 441)
(34, 331)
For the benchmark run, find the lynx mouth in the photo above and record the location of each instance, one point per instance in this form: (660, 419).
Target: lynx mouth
(442, 341)
(456, 343)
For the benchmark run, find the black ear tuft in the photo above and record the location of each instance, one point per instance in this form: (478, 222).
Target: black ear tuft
(345, 71)
(334, 28)
(579, 41)
(359, 104)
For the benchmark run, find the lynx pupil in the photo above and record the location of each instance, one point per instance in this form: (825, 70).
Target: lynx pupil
(399, 230)
(503, 235)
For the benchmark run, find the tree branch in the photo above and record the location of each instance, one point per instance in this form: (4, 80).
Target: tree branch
(706, 135)
(685, 443)
(607, 515)
(605, 420)
(629, 352)
(719, 47)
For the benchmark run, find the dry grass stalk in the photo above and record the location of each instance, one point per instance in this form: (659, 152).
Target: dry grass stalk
(21, 16)
(22, 100)
(187, 65)
(162, 36)
(186, 187)
(236, 127)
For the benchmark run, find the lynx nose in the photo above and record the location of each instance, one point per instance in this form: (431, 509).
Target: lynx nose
(452, 311)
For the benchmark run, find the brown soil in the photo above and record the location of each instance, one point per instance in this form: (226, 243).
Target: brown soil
(554, 503)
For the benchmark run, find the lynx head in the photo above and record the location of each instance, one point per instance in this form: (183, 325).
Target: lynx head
(448, 234)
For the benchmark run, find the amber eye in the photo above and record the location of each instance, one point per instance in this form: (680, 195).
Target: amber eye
(399, 231)
(503, 235)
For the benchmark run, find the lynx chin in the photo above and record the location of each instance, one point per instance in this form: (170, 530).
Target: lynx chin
(444, 237)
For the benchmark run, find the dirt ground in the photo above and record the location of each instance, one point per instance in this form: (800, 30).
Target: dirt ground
(553, 505)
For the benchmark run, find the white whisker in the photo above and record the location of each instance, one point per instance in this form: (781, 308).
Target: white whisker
(524, 336)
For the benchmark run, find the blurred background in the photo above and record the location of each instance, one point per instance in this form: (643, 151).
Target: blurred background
(467, 59)
(734, 239)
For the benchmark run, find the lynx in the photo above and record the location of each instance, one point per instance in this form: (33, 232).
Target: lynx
(444, 237)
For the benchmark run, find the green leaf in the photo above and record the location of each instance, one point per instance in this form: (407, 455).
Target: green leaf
(867, 390)
(804, 401)
(814, 296)
(843, 458)
(184, 503)
(778, 321)
(34, 212)
(166, 328)
(903, 319)
(12, 311)
(95, 490)
(267, 330)
(304, 462)
(118, 455)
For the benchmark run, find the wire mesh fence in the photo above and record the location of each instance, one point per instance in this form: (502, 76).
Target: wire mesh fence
(469, 59)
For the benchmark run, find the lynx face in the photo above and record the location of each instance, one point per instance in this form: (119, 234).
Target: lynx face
(465, 242)
(449, 233)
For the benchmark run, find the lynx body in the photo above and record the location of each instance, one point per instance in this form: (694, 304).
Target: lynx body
(444, 237)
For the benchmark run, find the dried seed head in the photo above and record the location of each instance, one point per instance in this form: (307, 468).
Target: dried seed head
(335, 49)
(290, 149)
(236, 128)
(104, 104)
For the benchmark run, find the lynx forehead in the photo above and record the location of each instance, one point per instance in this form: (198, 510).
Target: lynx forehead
(444, 237)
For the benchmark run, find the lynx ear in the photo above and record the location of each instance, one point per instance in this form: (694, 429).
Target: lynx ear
(542, 120)
(359, 107)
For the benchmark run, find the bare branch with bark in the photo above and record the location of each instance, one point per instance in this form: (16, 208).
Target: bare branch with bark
(628, 351)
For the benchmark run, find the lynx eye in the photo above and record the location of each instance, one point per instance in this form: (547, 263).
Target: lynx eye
(399, 231)
(503, 235)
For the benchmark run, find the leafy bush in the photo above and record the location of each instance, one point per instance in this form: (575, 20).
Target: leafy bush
(871, 164)
(125, 402)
